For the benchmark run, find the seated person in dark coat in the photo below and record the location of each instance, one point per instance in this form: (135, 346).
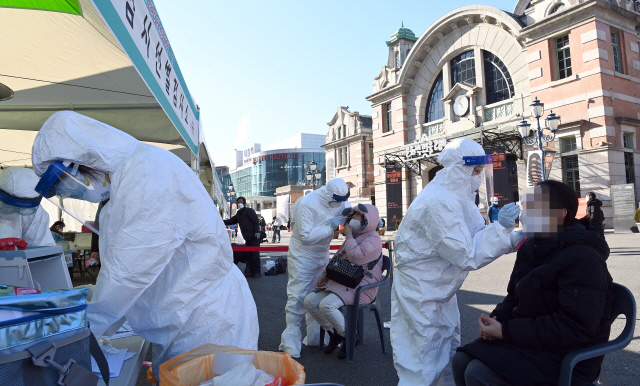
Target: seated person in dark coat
(559, 300)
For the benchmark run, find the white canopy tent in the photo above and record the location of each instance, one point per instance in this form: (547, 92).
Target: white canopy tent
(53, 60)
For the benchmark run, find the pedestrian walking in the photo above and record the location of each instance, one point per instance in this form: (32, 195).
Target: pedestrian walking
(594, 212)
(247, 220)
(275, 226)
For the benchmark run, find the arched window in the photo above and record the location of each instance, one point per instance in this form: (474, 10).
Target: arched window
(556, 8)
(463, 69)
(435, 104)
(499, 85)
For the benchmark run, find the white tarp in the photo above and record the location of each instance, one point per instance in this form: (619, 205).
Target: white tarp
(282, 205)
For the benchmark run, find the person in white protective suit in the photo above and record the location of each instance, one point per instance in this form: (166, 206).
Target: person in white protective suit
(20, 210)
(314, 219)
(441, 238)
(167, 264)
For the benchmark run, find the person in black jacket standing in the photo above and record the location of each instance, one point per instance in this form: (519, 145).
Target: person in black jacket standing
(559, 300)
(594, 211)
(247, 220)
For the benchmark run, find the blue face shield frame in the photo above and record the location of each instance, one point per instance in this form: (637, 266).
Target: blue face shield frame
(48, 181)
(341, 198)
(474, 160)
(18, 202)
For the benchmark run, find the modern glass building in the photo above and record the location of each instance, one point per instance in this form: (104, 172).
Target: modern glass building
(258, 173)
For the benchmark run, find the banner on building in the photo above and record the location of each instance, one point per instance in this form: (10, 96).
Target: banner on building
(137, 26)
(623, 198)
(394, 196)
(331, 167)
(534, 168)
(501, 188)
(548, 163)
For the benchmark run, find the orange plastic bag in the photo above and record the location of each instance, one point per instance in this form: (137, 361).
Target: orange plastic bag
(196, 366)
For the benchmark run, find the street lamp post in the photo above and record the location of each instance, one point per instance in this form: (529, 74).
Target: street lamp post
(538, 138)
(231, 194)
(313, 175)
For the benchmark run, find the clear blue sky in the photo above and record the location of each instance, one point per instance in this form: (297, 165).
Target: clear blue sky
(262, 71)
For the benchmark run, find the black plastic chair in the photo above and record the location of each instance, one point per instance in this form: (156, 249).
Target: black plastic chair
(623, 304)
(354, 319)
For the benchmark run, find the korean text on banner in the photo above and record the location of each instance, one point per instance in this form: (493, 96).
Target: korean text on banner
(137, 26)
(394, 196)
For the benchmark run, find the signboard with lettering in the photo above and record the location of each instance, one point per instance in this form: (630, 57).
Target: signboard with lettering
(623, 198)
(534, 168)
(582, 207)
(424, 147)
(548, 163)
(247, 154)
(394, 196)
(270, 157)
(137, 26)
(501, 188)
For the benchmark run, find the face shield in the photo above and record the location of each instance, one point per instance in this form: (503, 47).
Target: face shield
(10, 204)
(338, 200)
(69, 189)
(483, 181)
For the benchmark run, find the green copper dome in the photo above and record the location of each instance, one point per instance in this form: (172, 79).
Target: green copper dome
(402, 33)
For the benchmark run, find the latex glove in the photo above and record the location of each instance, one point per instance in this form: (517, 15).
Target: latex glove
(335, 222)
(380, 224)
(508, 215)
(257, 235)
(517, 239)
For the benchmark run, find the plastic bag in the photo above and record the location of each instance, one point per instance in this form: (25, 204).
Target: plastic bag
(243, 374)
(196, 366)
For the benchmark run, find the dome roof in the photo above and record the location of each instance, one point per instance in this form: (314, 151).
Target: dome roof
(402, 33)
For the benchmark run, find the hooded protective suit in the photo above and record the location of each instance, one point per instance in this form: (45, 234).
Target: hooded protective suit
(307, 258)
(441, 238)
(34, 228)
(167, 264)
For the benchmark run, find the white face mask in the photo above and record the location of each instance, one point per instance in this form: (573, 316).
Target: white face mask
(476, 182)
(335, 204)
(240, 206)
(88, 187)
(355, 224)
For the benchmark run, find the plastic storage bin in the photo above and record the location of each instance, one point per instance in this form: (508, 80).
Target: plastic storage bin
(36, 267)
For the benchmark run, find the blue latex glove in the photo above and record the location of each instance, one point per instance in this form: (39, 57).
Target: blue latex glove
(380, 224)
(257, 235)
(508, 215)
(336, 222)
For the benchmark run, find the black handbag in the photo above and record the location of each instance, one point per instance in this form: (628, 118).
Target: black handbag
(344, 272)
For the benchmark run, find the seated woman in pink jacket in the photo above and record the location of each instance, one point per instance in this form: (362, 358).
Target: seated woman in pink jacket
(362, 246)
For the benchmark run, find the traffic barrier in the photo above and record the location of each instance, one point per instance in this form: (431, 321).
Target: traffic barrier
(387, 245)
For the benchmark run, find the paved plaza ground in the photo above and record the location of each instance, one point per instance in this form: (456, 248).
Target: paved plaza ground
(480, 292)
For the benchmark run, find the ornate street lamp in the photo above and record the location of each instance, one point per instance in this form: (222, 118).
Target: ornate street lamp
(537, 136)
(313, 175)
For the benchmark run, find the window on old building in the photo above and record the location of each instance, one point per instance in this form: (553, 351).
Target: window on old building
(398, 64)
(568, 144)
(570, 172)
(435, 104)
(563, 57)
(344, 131)
(629, 168)
(627, 140)
(463, 69)
(389, 116)
(615, 46)
(370, 152)
(556, 8)
(497, 79)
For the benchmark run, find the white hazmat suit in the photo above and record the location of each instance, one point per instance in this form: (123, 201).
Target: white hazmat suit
(33, 228)
(307, 258)
(167, 264)
(441, 238)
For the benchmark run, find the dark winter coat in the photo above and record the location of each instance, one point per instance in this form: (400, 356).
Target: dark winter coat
(248, 221)
(594, 212)
(559, 300)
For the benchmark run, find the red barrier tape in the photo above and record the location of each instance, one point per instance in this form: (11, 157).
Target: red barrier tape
(280, 249)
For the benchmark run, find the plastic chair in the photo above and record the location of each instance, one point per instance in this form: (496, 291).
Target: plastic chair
(354, 320)
(623, 304)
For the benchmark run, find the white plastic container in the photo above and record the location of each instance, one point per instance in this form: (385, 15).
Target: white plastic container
(36, 267)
